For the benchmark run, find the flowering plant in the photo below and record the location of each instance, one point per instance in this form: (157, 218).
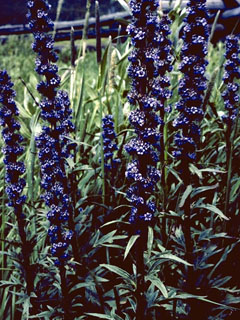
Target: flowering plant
(151, 231)
(53, 142)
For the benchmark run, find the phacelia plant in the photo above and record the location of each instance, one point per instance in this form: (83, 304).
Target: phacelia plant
(193, 83)
(232, 73)
(230, 97)
(109, 144)
(53, 142)
(150, 60)
(191, 90)
(12, 138)
(14, 168)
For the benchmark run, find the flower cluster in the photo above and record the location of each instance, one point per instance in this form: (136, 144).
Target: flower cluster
(109, 144)
(150, 60)
(12, 138)
(232, 72)
(53, 142)
(193, 83)
(151, 56)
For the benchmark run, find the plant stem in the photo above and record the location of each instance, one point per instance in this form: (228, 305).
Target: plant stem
(3, 226)
(100, 294)
(102, 152)
(85, 28)
(140, 292)
(65, 302)
(163, 155)
(229, 152)
(188, 240)
(98, 33)
(25, 250)
(117, 299)
(73, 48)
(230, 137)
(29, 91)
(187, 224)
(162, 158)
(174, 309)
(72, 68)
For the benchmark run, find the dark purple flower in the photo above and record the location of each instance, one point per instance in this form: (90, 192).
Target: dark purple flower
(111, 162)
(150, 61)
(231, 74)
(193, 83)
(53, 142)
(12, 139)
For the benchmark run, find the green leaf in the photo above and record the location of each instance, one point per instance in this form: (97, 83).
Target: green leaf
(78, 112)
(214, 25)
(106, 238)
(195, 170)
(99, 315)
(115, 221)
(185, 195)
(26, 308)
(213, 209)
(119, 271)
(231, 299)
(81, 285)
(235, 187)
(131, 242)
(32, 155)
(175, 173)
(123, 57)
(171, 256)
(186, 296)
(159, 284)
(212, 170)
(6, 283)
(205, 188)
(24, 113)
(103, 67)
(150, 241)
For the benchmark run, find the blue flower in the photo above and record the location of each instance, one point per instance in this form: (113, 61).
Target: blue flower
(231, 74)
(193, 83)
(150, 60)
(53, 142)
(111, 162)
(12, 139)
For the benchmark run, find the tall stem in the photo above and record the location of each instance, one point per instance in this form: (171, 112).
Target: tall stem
(85, 28)
(187, 226)
(65, 301)
(230, 137)
(189, 244)
(141, 303)
(162, 158)
(163, 176)
(102, 152)
(229, 171)
(98, 33)
(25, 250)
